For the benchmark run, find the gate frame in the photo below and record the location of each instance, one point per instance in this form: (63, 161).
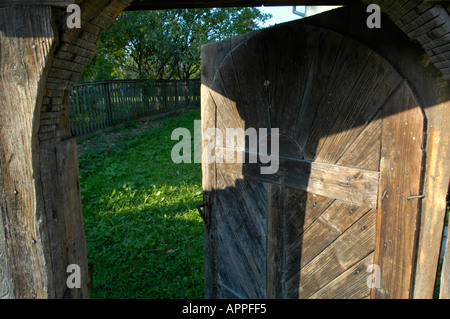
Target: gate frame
(47, 201)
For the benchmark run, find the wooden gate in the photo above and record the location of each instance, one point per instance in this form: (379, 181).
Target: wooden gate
(339, 218)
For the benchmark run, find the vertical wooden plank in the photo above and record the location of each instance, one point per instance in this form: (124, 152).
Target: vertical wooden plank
(102, 102)
(98, 107)
(436, 185)
(115, 102)
(130, 98)
(165, 95)
(399, 194)
(123, 106)
(276, 242)
(72, 113)
(211, 56)
(87, 111)
(61, 194)
(78, 111)
(95, 96)
(82, 108)
(33, 263)
(141, 99)
(134, 99)
(208, 120)
(26, 43)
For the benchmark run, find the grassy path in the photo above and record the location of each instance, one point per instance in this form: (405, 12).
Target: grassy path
(144, 235)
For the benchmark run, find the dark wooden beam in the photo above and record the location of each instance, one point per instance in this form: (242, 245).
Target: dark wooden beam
(177, 4)
(56, 3)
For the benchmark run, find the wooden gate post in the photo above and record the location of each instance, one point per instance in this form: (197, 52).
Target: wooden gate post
(41, 227)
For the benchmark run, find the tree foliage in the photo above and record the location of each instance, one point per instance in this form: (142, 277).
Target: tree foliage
(163, 45)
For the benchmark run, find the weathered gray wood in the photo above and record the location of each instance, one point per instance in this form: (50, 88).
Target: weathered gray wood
(241, 236)
(433, 92)
(23, 246)
(276, 241)
(62, 199)
(350, 248)
(375, 85)
(352, 284)
(212, 56)
(351, 60)
(42, 232)
(298, 232)
(331, 224)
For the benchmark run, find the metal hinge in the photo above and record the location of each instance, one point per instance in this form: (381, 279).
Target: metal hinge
(205, 214)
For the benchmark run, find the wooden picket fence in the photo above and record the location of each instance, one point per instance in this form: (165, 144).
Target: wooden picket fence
(97, 105)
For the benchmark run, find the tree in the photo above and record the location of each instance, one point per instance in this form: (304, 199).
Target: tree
(162, 45)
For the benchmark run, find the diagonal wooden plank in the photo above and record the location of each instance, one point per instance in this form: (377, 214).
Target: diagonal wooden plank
(352, 284)
(302, 210)
(347, 250)
(365, 151)
(316, 238)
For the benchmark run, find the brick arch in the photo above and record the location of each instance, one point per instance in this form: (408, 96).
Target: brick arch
(74, 52)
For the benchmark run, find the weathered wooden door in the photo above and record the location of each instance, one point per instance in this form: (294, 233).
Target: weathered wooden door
(347, 191)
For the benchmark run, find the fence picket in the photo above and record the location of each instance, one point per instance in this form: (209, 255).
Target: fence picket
(97, 105)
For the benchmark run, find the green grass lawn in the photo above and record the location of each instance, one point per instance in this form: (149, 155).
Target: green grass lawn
(144, 234)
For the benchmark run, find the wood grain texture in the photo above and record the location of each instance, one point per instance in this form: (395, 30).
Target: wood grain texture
(436, 184)
(276, 241)
(375, 85)
(61, 198)
(340, 138)
(350, 185)
(331, 224)
(352, 284)
(212, 56)
(400, 181)
(26, 44)
(433, 92)
(350, 62)
(241, 237)
(208, 117)
(350, 248)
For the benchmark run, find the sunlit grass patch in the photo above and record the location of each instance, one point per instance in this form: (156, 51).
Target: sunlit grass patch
(144, 234)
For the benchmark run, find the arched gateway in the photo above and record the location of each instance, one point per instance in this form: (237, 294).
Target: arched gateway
(406, 62)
